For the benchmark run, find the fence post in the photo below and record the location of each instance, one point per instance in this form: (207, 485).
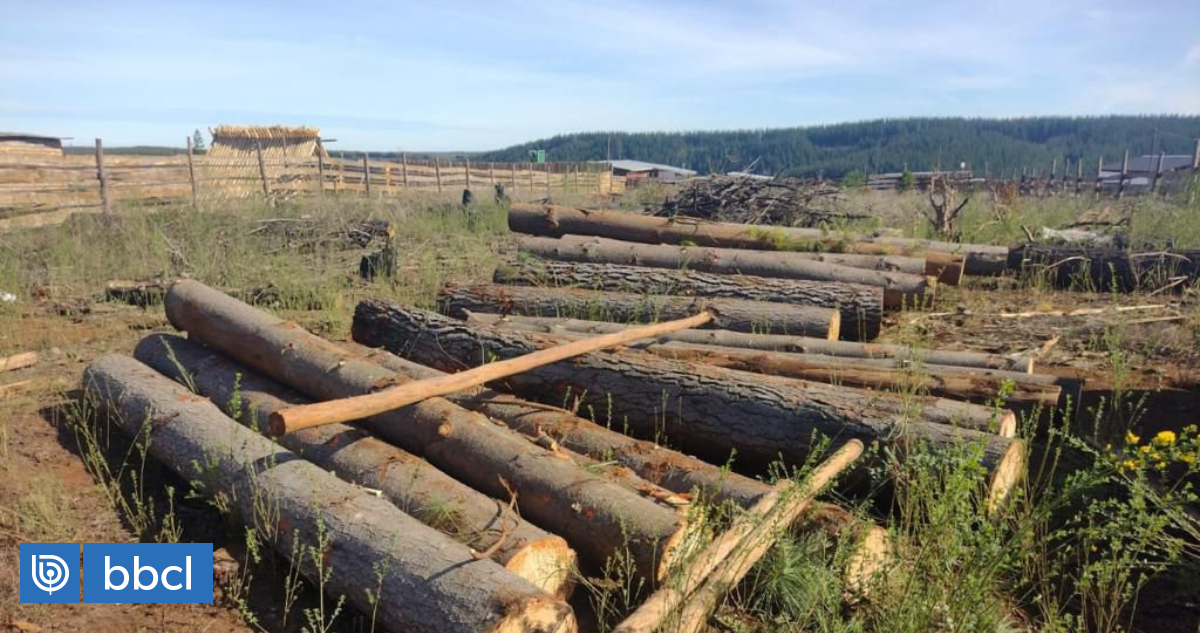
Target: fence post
(467, 161)
(437, 172)
(1158, 169)
(404, 170)
(1196, 157)
(105, 203)
(1099, 173)
(367, 174)
(1124, 175)
(320, 169)
(1079, 176)
(262, 169)
(491, 173)
(191, 170)
(387, 177)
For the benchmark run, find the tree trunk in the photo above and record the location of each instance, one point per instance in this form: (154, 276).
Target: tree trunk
(596, 517)
(1105, 269)
(978, 259)
(709, 411)
(765, 342)
(899, 288)
(861, 307)
(557, 221)
(1028, 393)
(430, 582)
(409, 482)
(731, 314)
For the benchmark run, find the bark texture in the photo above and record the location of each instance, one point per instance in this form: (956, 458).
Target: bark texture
(1105, 269)
(861, 306)
(899, 288)
(431, 582)
(765, 342)
(706, 410)
(596, 517)
(556, 221)
(409, 482)
(731, 314)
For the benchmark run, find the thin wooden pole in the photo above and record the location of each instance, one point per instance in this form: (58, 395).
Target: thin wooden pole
(467, 161)
(320, 169)
(1196, 157)
(191, 170)
(262, 169)
(365, 406)
(1124, 175)
(105, 203)
(491, 173)
(1099, 173)
(387, 177)
(1158, 169)
(437, 172)
(1079, 176)
(367, 174)
(404, 170)
(739, 547)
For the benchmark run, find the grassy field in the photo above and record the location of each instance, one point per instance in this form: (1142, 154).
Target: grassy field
(1104, 535)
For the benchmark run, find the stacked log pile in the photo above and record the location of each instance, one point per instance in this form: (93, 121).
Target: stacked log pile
(1106, 269)
(480, 521)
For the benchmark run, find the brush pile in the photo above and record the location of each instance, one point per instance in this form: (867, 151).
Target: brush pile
(756, 200)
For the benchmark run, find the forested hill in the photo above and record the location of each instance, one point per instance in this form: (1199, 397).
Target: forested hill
(1001, 145)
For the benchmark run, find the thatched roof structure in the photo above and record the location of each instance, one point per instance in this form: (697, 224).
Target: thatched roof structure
(278, 141)
(15, 145)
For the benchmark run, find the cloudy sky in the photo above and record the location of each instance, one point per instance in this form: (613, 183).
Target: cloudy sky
(447, 75)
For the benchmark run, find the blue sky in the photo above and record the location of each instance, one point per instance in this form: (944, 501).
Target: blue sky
(479, 75)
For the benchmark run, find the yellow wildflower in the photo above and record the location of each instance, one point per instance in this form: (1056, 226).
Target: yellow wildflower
(1129, 465)
(1145, 450)
(1191, 428)
(1130, 438)
(1188, 458)
(1164, 438)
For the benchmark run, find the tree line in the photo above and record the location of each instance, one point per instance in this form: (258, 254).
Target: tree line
(998, 147)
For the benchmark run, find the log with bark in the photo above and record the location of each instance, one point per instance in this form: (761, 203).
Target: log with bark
(596, 517)
(978, 259)
(409, 482)
(899, 288)
(766, 342)
(1024, 392)
(556, 221)
(709, 411)
(869, 544)
(1106, 269)
(738, 315)
(861, 306)
(431, 582)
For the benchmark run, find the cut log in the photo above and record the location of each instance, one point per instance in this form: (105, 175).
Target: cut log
(740, 546)
(353, 408)
(596, 517)
(18, 361)
(706, 410)
(978, 259)
(731, 314)
(899, 288)
(1105, 269)
(409, 482)
(15, 388)
(431, 582)
(1028, 392)
(557, 221)
(766, 342)
(861, 307)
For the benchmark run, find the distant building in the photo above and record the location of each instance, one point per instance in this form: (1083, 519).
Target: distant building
(635, 171)
(33, 146)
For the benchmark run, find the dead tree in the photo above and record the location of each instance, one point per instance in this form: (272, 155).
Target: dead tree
(942, 196)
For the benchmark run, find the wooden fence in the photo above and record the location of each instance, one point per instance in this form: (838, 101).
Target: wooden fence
(80, 182)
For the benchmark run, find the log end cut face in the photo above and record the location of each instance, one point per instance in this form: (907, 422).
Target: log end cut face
(539, 615)
(548, 563)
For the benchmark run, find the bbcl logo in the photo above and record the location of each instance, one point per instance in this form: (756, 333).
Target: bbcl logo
(117, 572)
